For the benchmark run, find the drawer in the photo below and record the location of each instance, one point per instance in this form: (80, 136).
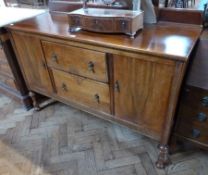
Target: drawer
(193, 106)
(194, 132)
(122, 25)
(192, 117)
(79, 61)
(97, 24)
(83, 91)
(195, 97)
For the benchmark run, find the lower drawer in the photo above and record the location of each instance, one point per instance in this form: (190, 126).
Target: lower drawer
(194, 132)
(81, 90)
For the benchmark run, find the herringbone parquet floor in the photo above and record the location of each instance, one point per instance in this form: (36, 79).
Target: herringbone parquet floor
(60, 140)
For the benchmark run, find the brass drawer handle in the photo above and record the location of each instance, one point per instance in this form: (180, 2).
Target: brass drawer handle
(205, 101)
(117, 86)
(91, 67)
(54, 57)
(64, 87)
(202, 117)
(97, 98)
(196, 133)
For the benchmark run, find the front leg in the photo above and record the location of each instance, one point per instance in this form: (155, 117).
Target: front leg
(34, 100)
(163, 157)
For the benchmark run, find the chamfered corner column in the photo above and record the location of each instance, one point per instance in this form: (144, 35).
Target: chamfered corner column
(163, 157)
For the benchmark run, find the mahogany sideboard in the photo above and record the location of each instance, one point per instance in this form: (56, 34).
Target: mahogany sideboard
(134, 82)
(11, 80)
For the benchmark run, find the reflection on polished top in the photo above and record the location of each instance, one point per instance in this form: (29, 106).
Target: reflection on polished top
(98, 12)
(10, 15)
(169, 40)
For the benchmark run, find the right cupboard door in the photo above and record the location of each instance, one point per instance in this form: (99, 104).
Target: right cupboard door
(142, 88)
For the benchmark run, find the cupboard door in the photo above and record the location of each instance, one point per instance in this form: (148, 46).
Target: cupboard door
(31, 59)
(141, 92)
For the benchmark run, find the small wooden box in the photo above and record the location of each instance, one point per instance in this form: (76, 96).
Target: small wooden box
(106, 20)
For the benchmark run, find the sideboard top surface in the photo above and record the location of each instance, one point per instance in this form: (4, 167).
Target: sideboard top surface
(169, 40)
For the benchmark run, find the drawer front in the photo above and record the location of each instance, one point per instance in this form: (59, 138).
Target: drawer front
(122, 25)
(193, 107)
(193, 115)
(98, 25)
(82, 90)
(194, 132)
(79, 61)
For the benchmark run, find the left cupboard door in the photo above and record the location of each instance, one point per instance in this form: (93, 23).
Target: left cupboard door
(32, 62)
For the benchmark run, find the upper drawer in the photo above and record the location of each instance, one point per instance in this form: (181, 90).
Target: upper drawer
(84, 62)
(82, 90)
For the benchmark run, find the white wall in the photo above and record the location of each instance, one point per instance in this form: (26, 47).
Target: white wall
(2, 3)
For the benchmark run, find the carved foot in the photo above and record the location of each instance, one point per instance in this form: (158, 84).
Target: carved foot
(163, 157)
(34, 100)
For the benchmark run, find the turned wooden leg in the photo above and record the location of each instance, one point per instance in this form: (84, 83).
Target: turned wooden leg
(34, 100)
(163, 157)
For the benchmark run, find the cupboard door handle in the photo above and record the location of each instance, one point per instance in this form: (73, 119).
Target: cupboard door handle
(97, 98)
(205, 101)
(64, 87)
(195, 133)
(202, 117)
(54, 57)
(91, 66)
(116, 86)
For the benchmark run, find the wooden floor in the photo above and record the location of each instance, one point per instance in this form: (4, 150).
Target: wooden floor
(61, 140)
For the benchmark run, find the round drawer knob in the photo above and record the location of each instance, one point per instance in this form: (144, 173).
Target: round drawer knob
(195, 133)
(205, 101)
(202, 117)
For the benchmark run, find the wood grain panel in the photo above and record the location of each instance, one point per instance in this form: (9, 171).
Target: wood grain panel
(143, 93)
(82, 91)
(32, 61)
(87, 63)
